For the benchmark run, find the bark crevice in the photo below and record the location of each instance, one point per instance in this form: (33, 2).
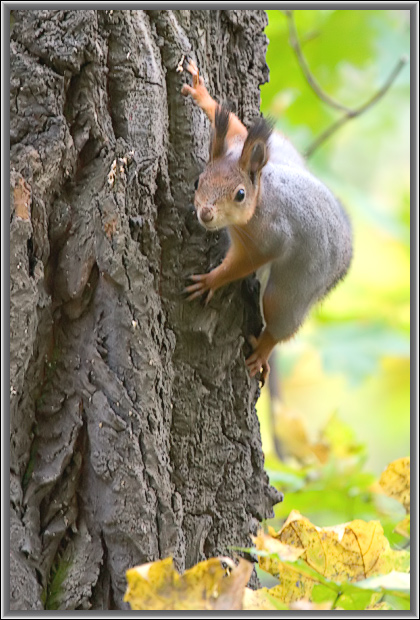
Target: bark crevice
(133, 427)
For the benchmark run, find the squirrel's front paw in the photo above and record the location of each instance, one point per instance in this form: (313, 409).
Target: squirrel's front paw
(202, 283)
(198, 91)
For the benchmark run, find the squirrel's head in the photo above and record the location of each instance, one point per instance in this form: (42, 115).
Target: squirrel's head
(227, 190)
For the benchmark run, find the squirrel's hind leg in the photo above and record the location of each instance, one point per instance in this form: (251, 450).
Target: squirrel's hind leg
(258, 360)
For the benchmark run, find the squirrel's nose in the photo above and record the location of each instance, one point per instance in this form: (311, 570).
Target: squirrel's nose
(206, 214)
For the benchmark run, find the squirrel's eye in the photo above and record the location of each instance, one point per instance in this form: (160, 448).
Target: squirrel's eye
(240, 195)
(196, 184)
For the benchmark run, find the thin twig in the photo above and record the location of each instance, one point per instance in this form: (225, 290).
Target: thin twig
(358, 111)
(381, 92)
(294, 42)
(325, 135)
(349, 113)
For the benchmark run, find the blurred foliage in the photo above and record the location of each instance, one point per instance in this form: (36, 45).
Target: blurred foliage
(352, 355)
(325, 481)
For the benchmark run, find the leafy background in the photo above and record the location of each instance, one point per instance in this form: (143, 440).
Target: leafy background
(352, 356)
(344, 379)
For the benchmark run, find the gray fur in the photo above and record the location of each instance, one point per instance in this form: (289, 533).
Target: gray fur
(304, 228)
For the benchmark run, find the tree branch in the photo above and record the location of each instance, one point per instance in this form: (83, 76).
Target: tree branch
(294, 42)
(358, 111)
(349, 113)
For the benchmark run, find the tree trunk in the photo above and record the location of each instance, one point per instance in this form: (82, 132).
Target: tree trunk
(133, 428)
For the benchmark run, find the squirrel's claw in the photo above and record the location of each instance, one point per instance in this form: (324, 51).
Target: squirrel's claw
(265, 371)
(186, 63)
(257, 362)
(209, 296)
(190, 66)
(193, 287)
(194, 295)
(200, 287)
(194, 291)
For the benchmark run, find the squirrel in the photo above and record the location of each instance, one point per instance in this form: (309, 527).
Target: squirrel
(283, 223)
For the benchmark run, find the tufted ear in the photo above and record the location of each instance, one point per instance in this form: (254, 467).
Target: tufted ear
(218, 145)
(254, 154)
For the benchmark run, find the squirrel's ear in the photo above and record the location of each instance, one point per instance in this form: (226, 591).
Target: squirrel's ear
(221, 123)
(254, 154)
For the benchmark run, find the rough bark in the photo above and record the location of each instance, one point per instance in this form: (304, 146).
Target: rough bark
(133, 428)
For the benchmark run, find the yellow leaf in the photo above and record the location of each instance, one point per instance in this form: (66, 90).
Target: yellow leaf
(207, 585)
(349, 552)
(271, 544)
(294, 585)
(395, 481)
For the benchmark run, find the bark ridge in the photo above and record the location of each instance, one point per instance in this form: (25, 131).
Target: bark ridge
(133, 426)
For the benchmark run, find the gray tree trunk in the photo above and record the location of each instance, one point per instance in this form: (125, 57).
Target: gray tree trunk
(133, 428)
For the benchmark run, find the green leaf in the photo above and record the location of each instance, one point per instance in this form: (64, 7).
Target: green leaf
(357, 599)
(397, 601)
(322, 594)
(393, 589)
